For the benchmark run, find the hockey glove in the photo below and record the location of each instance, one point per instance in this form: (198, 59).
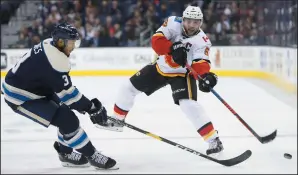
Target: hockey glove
(179, 54)
(209, 81)
(98, 113)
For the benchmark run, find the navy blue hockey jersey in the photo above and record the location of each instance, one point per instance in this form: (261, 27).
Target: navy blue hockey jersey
(42, 72)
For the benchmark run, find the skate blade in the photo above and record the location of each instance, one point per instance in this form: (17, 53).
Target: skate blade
(107, 169)
(109, 128)
(70, 165)
(216, 155)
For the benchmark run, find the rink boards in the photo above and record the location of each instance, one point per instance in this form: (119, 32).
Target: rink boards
(275, 64)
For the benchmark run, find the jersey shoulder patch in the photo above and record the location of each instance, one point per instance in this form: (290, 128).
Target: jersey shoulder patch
(173, 23)
(172, 20)
(178, 19)
(58, 60)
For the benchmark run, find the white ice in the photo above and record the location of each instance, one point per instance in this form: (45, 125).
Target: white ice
(27, 147)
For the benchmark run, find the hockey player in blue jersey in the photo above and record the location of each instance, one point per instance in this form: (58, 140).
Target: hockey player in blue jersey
(39, 87)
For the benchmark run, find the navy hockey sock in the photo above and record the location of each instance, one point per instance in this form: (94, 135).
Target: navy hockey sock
(63, 147)
(77, 140)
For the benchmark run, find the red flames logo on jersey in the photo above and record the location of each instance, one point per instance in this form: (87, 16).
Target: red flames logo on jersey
(169, 60)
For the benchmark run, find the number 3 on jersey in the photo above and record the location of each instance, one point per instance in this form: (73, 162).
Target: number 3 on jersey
(66, 81)
(37, 48)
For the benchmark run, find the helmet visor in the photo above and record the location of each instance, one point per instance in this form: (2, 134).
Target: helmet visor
(72, 44)
(77, 43)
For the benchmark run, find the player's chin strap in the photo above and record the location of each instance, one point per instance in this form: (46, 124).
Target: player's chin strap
(263, 140)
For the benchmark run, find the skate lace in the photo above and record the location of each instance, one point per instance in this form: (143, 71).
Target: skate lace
(74, 156)
(99, 158)
(213, 144)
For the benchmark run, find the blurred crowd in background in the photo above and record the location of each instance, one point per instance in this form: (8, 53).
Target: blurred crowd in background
(128, 23)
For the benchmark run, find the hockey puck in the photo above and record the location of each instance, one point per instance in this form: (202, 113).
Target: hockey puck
(288, 156)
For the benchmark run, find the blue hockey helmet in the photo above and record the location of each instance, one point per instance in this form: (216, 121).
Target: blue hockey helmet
(63, 32)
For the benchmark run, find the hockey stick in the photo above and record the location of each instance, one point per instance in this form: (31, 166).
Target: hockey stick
(263, 140)
(228, 162)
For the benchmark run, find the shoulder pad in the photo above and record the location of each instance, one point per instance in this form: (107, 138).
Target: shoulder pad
(58, 60)
(173, 23)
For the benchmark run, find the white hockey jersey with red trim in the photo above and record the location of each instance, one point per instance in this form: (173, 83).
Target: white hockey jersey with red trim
(197, 46)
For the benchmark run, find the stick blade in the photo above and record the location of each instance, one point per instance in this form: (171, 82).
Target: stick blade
(268, 138)
(236, 160)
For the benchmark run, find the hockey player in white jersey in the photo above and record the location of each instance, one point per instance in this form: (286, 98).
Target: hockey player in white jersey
(177, 41)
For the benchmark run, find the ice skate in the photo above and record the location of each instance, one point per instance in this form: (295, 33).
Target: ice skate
(71, 159)
(215, 146)
(110, 125)
(100, 161)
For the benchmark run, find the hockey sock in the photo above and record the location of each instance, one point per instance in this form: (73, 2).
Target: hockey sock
(207, 132)
(197, 115)
(125, 100)
(63, 147)
(120, 113)
(77, 140)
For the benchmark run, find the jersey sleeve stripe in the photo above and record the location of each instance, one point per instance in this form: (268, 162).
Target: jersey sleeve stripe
(199, 61)
(21, 91)
(158, 34)
(18, 96)
(73, 100)
(65, 92)
(70, 95)
(13, 100)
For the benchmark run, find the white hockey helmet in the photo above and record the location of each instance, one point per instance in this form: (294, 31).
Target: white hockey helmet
(192, 12)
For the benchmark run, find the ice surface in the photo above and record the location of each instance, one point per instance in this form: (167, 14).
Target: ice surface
(27, 147)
